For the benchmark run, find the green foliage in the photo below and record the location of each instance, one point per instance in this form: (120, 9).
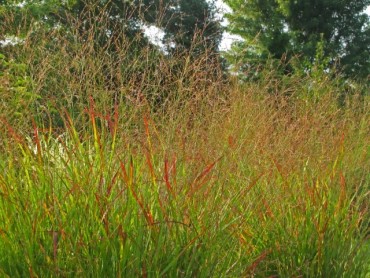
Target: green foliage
(287, 28)
(17, 96)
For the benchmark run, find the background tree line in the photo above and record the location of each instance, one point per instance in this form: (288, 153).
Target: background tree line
(332, 33)
(179, 20)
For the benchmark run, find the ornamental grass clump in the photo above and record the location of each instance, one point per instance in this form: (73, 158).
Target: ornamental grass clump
(221, 200)
(147, 164)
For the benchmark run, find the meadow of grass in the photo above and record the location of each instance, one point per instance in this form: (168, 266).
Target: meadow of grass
(165, 167)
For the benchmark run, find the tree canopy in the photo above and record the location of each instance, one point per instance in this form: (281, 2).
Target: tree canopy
(287, 28)
(190, 19)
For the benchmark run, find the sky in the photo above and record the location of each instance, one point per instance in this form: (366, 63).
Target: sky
(227, 38)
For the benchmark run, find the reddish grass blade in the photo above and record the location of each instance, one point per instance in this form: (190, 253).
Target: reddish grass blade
(231, 141)
(74, 188)
(253, 183)
(113, 123)
(122, 234)
(166, 177)
(150, 164)
(131, 173)
(199, 180)
(12, 132)
(124, 172)
(112, 183)
(278, 167)
(343, 194)
(31, 272)
(252, 268)
(268, 208)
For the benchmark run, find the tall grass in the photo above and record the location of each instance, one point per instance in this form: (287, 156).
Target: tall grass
(166, 168)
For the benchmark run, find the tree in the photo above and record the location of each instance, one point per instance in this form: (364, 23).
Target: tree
(286, 28)
(187, 20)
